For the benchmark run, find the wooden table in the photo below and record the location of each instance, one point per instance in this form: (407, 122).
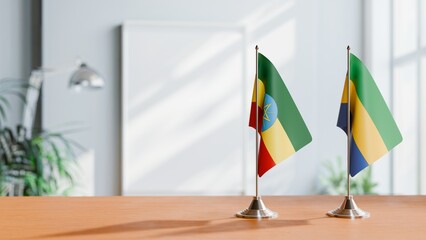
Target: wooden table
(301, 217)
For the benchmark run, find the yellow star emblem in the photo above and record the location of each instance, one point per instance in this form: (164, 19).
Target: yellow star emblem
(265, 112)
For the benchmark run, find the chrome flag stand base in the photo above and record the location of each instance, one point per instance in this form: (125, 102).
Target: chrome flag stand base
(257, 209)
(349, 209)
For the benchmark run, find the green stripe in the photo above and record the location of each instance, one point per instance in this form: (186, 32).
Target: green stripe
(372, 99)
(288, 114)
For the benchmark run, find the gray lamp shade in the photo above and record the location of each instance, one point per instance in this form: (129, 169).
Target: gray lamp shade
(86, 77)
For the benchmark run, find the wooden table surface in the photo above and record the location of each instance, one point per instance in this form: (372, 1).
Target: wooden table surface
(300, 217)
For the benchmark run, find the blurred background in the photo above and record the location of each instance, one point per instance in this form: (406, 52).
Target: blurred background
(172, 116)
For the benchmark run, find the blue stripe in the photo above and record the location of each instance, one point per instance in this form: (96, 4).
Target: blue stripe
(358, 161)
(342, 120)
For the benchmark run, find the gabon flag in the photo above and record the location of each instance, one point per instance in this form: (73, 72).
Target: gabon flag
(280, 125)
(374, 131)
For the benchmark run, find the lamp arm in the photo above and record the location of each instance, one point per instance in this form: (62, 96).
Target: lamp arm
(31, 100)
(58, 70)
(84, 76)
(33, 93)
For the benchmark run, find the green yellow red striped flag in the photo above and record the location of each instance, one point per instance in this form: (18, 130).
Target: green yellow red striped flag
(280, 125)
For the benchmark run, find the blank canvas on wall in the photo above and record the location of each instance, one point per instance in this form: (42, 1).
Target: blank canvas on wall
(183, 109)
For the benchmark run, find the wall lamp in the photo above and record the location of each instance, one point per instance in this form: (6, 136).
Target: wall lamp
(82, 77)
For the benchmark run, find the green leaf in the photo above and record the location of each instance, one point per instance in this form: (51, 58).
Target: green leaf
(48, 161)
(30, 180)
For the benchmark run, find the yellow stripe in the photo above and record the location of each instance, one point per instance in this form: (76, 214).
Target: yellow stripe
(277, 142)
(261, 90)
(364, 131)
(345, 90)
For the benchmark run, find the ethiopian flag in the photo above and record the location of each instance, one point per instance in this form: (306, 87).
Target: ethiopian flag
(281, 127)
(374, 131)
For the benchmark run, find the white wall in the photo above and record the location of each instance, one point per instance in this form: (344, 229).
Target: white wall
(309, 40)
(377, 51)
(15, 47)
(340, 23)
(183, 109)
(394, 46)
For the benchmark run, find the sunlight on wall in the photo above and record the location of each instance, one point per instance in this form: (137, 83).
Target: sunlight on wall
(266, 12)
(193, 121)
(405, 33)
(189, 94)
(189, 102)
(394, 44)
(406, 115)
(211, 48)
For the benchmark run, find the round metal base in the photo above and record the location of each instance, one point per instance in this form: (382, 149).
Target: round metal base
(257, 209)
(348, 209)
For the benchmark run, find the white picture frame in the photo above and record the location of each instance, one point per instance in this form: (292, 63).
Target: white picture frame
(201, 148)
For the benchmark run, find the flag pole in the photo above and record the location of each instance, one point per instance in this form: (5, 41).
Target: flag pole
(257, 122)
(349, 129)
(348, 209)
(257, 208)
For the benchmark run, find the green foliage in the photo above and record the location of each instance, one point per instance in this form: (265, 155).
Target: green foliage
(41, 165)
(37, 164)
(334, 182)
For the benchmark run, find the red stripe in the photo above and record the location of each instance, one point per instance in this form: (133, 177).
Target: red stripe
(252, 121)
(265, 160)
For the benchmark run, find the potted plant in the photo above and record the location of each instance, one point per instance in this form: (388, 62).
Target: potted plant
(32, 165)
(334, 180)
